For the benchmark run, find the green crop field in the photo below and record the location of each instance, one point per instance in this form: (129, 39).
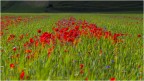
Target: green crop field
(71, 46)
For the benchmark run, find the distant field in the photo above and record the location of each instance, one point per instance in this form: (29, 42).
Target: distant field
(71, 46)
(70, 6)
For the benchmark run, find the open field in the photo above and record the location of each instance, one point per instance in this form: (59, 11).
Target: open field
(71, 46)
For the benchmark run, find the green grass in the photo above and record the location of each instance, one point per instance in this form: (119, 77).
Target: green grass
(62, 65)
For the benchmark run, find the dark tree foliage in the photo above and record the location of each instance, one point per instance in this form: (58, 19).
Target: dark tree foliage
(50, 6)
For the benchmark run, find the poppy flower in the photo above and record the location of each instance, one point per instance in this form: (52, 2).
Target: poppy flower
(18, 55)
(70, 39)
(11, 37)
(81, 71)
(56, 29)
(112, 79)
(21, 36)
(14, 48)
(81, 66)
(39, 31)
(1, 33)
(28, 57)
(36, 43)
(28, 51)
(73, 23)
(22, 75)
(77, 27)
(65, 50)
(27, 34)
(49, 53)
(31, 40)
(139, 35)
(12, 66)
(26, 44)
(107, 34)
(86, 78)
(46, 37)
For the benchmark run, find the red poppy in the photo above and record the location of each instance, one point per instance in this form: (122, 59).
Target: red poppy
(56, 29)
(1, 33)
(21, 36)
(49, 53)
(115, 36)
(46, 37)
(73, 23)
(112, 79)
(81, 66)
(65, 50)
(28, 57)
(107, 34)
(18, 55)
(81, 71)
(70, 39)
(31, 40)
(28, 51)
(86, 78)
(12, 66)
(26, 44)
(77, 27)
(22, 75)
(27, 34)
(14, 48)
(36, 43)
(11, 37)
(39, 31)
(139, 35)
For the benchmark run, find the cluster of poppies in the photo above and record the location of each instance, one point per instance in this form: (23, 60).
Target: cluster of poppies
(70, 30)
(14, 20)
(66, 31)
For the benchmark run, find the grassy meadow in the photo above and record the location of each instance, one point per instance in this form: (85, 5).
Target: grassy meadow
(71, 46)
